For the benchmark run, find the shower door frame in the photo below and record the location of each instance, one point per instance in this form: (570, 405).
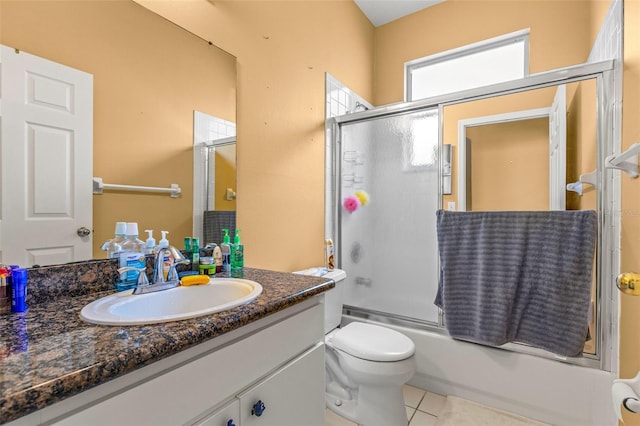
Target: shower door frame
(608, 197)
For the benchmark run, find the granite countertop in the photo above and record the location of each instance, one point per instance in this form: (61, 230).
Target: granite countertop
(48, 353)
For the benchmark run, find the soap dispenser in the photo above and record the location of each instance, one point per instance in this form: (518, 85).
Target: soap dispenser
(237, 253)
(226, 251)
(167, 258)
(150, 244)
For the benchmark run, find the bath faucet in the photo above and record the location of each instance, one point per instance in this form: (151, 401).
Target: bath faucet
(158, 268)
(158, 281)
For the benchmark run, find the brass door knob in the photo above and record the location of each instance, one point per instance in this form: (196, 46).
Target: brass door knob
(629, 283)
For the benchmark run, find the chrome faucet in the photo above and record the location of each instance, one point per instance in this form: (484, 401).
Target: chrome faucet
(158, 281)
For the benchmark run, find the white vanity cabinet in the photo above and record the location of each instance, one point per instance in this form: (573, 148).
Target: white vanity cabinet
(278, 360)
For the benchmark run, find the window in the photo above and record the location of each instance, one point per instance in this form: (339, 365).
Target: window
(487, 62)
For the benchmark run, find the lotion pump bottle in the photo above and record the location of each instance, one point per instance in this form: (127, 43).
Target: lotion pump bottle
(150, 244)
(226, 251)
(168, 259)
(237, 253)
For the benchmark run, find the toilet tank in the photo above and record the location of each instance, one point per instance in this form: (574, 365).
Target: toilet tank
(333, 299)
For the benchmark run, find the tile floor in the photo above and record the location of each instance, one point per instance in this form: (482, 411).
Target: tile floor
(422, 408)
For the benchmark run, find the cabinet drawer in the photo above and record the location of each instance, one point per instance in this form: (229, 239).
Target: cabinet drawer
(293, 395)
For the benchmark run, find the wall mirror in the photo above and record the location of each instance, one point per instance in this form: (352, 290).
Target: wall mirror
(149, 76)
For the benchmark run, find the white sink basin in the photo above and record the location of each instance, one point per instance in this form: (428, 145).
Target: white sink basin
(175, 304)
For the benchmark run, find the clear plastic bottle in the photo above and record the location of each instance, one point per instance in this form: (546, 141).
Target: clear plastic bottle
(133, 256)
(113, 247)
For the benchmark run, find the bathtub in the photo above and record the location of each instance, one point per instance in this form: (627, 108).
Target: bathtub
(543, 389)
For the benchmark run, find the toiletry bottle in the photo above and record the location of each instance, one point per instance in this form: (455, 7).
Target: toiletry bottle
(167, 260)
(18, 289)
(195, 254)
(237, 252)
(226, 251)
(217, 258)
(132, 255)
(150, 244)
(328, 254)
(113, 247)
(5, 290)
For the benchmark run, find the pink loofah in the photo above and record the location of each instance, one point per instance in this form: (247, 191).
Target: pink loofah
(351, 203)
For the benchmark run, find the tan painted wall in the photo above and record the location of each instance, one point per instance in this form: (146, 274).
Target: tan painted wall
(559, 35)
(506, 170)
(149, 76)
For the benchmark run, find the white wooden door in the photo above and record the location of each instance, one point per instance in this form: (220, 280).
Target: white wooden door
(558, 150)
(46, 160)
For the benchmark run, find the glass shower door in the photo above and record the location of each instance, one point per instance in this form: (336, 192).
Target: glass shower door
(388, 245)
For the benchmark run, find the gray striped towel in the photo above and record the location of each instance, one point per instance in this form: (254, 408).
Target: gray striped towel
(517, 277)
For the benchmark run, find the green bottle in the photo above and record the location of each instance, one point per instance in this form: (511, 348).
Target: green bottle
(237, 252)
(195, 254)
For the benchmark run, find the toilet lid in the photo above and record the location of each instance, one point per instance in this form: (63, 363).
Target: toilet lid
(373, 343)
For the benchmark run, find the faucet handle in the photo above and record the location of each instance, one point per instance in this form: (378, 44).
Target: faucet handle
(142, 276)
(172, 275)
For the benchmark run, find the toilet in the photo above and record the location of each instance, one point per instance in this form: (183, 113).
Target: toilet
(366, 365)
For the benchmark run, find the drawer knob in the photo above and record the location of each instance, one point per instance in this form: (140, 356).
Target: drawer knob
(258, 408)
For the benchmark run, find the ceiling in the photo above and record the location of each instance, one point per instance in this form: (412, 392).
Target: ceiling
(381, 12)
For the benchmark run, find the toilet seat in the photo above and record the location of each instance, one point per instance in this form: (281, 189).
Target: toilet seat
(373, 343)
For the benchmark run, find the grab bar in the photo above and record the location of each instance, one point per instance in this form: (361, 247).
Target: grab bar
(99, 186)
